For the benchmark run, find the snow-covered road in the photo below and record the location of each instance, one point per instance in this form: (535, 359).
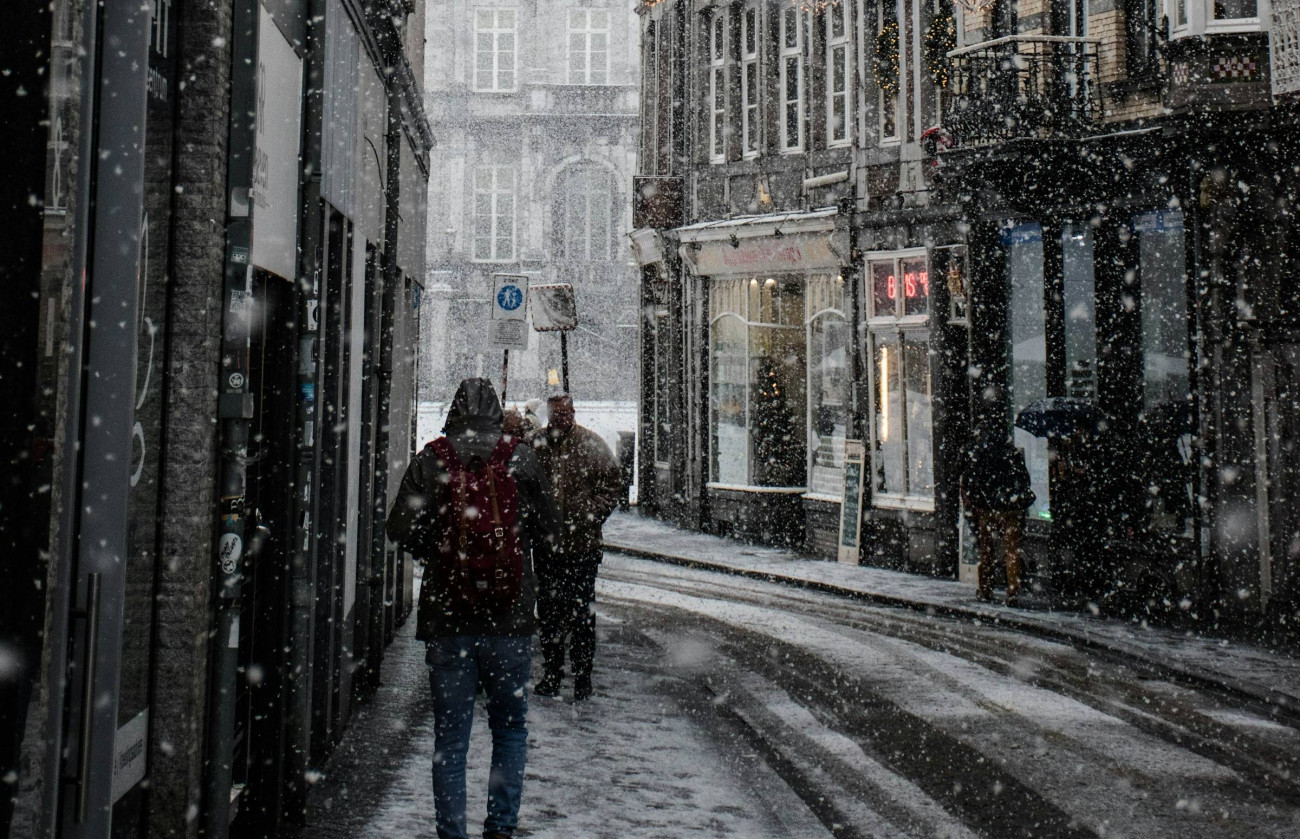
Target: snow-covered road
(734, 707)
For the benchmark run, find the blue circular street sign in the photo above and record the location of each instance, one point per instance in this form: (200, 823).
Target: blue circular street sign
(510, 297)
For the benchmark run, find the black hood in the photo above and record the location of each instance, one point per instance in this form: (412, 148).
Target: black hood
(476, 406)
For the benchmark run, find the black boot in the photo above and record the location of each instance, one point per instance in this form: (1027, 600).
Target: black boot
(582, 688)
(549, 686)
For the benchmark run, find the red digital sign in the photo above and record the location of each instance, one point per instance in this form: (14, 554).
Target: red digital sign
(895, 297)
(915, 284)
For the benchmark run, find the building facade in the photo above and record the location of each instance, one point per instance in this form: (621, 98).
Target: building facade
(534, 106)
(901, 223)
(223, 228)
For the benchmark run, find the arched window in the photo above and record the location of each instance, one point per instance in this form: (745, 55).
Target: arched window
(586, 214)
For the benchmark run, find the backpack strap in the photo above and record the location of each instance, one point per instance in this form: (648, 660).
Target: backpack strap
(501, 454)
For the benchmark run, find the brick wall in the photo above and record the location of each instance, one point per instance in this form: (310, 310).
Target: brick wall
(1109, 27)
(190, 448)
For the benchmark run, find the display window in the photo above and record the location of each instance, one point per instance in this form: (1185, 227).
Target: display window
(757, 384)
(898, 336)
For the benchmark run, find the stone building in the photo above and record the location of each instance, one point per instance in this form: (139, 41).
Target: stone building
(535, 109)
(903, 222)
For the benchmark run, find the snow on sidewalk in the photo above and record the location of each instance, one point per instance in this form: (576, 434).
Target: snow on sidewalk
(632, 763)
(1266, 674)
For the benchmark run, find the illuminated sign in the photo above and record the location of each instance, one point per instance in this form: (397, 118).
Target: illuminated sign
(895, 297)
(915, 284)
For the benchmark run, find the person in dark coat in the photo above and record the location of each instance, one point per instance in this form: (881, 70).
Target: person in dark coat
(492, 649)
(995, 488)
(587, 484)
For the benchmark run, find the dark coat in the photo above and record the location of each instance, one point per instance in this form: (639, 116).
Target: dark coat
(995, 477)
(473, 427)
(587, 484)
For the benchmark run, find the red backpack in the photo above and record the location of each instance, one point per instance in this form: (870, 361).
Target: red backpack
(480, 565)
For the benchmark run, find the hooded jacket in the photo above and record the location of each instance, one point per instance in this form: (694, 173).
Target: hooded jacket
(473, 428)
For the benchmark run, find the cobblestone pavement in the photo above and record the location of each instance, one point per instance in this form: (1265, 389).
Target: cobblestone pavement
(641, 759)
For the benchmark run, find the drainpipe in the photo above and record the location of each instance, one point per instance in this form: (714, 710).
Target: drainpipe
(235, 409)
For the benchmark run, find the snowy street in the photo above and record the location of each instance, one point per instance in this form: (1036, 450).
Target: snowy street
(735, 707)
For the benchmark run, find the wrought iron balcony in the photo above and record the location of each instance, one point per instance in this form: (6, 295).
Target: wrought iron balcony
(1023, 87)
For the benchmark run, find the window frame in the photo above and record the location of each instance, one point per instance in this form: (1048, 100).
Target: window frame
(717, 107)
(786, 53)
(587, 31)
(844, 42)
(1200, 19)
(494, 191)
(751, 29)
(916, 327)
(496, 31)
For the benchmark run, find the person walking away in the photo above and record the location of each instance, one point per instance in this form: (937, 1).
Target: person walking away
(587, 485)
(475, 507)
(995, 487)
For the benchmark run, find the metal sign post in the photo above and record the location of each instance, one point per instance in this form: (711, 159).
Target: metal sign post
(507, 324)
(555, 310)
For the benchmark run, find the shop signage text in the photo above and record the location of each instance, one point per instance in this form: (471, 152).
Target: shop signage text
(767, 254)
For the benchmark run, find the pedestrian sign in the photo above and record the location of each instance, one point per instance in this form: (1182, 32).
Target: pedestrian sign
(508, 324)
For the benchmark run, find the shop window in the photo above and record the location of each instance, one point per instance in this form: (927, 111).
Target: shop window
(1079, 303)
(791, 79)
(1027, 349)
(1165, 420)
(749, 80)
(829, 377)
(757, 370)
(838, 72)
(718, 87)
(495, 50)
(901, 390)
(494, 213)
(588, 46)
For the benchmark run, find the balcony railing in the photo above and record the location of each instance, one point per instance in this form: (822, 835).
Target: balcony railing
(1023, 87)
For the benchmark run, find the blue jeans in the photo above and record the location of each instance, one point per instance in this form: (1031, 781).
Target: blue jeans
(456, 668)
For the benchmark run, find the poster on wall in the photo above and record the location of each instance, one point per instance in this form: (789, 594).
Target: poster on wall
(275, 156)
(851, 507)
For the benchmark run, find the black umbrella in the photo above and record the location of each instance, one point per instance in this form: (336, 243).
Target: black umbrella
(1059, 416)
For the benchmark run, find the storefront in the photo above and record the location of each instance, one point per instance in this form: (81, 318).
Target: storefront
(779, 373)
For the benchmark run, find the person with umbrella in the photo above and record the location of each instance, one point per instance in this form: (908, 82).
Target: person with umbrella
(995, 488)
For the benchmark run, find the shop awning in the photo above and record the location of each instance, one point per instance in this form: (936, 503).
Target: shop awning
(776, 243)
